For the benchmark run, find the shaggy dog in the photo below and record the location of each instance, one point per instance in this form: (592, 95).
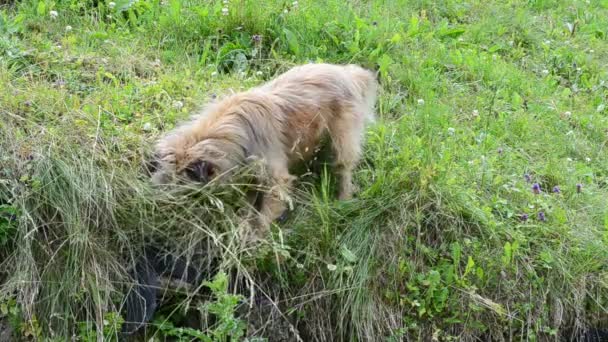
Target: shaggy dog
(279, 123)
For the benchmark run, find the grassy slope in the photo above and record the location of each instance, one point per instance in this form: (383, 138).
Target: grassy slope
(475, 95)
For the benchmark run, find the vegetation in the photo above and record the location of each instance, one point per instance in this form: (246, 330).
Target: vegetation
(482, 212)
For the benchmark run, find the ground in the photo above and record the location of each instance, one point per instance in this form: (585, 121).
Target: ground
(481, 212)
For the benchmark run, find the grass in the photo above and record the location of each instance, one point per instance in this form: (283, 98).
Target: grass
(475, 95)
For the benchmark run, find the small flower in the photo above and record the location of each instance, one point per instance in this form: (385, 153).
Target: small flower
(68, 28)
(178, 105)
(545, 72)
(27, 103)
(225, 11)
(475, 113)
(541, 216)
(527, 178)
(213, 74)
(588, 160)
(569, 159)
(500, 150)
(294, 4)
(332, 267)
(111, 4)
(53, 14)
(225, 2)
(147, 127)
(374, 23)
(579, 188)
(300, 266)
(420, 102)
(536, 188)
(556, 189)
(523, 217)
(567, 114)
(259, 73)
(451, 131)
(286, 11)
(256, 38)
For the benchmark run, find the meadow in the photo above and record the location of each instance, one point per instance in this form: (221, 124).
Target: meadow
(481, 215)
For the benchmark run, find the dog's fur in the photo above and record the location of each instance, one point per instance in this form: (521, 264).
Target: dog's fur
(280, 123)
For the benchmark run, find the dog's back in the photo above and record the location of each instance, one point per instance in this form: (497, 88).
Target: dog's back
(347, 82)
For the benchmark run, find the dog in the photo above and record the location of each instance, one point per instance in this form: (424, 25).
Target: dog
(280, 123)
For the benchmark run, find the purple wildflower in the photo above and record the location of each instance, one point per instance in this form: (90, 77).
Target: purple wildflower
(527, 178)
(556, 189)
(579, 188)
(28, 103)
(500, 150)
(541, 216)
(536, 188)
(524, 217)
(256, 38)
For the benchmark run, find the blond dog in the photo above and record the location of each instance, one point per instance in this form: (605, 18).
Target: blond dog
(281, 123)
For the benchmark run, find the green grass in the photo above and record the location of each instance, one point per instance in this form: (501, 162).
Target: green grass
(474, 96)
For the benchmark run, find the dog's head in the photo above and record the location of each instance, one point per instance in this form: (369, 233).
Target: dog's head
(202, 162)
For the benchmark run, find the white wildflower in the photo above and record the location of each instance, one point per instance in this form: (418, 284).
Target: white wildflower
(588, 160)
(294, 4)
(178, 105)
(475, 113)
(601, 108)
(111, 4)
(225, 11)
(259, 73)
(451, 131)
(147, 127)
(545, 72)
(332, 267)
(213, 74)
(420, 102)
(567, 114)
(53, 14)
(68, 28)
(300, 266)
(569, 159)
(286, 11)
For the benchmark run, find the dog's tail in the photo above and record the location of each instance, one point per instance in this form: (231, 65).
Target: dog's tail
(367, 81)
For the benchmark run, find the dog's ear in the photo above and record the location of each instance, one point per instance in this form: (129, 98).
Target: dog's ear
(200, 171)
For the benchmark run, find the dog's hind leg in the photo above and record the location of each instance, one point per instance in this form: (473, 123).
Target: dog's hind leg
(346, 138)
